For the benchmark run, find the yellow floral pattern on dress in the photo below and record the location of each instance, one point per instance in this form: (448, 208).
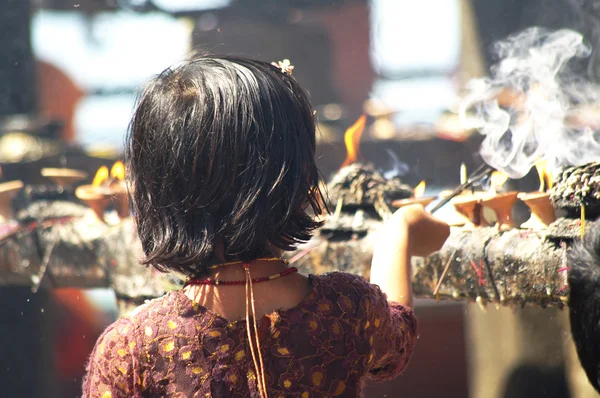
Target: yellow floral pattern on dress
(342, 332)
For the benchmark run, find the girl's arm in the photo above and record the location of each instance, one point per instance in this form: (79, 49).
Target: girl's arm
(409, 232)
(390, 269)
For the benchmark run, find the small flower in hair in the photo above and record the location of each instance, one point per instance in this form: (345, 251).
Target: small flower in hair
(285, 66)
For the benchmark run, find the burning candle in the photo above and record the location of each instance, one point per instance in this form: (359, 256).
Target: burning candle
(469, 209)
(117, 172)
(545, 177)
(500, 203)
(542, 210)
(101, 176)
(419, 190)
(119, 189)
(93, 194)
(417, 197)
(464, 205)
(497, 180)
(106, 186)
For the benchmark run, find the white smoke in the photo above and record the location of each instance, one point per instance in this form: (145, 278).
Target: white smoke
(398, 169)
(533, 69)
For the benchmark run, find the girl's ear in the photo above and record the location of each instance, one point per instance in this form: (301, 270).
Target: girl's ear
(219, 250)
(275, 251)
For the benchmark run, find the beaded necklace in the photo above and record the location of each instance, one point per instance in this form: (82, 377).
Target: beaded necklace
(219, 282)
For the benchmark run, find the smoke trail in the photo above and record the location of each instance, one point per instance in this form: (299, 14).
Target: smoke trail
(398, 169)
(533, 73)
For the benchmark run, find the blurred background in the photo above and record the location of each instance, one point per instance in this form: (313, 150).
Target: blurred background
(70, 70)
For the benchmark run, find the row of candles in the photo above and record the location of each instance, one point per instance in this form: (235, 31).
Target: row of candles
(471, 209)
(108, 187)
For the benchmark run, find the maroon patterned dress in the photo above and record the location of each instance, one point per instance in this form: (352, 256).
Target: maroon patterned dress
(342, 332)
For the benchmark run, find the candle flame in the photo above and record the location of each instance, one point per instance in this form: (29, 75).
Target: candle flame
(497, 180)
(118, 171)
(101, 176)
(352, 140)
(463, 173)
(545, 177)
(419, 190)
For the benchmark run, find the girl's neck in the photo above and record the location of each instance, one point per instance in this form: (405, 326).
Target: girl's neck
(260, 267)
(228, 301)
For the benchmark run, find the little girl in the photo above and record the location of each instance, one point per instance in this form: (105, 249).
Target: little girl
(223, 180)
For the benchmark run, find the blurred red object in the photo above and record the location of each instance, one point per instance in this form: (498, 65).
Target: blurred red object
(79, 324)
(58, 97)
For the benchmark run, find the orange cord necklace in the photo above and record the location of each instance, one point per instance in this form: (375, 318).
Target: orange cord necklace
(251, 328)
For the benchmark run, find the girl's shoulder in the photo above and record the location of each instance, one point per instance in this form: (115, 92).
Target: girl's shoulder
(343, 281)
(152, 312)
(350, 288)
(157, 307)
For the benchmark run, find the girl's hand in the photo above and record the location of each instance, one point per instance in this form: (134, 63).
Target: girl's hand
(425, 234)
(409, 232)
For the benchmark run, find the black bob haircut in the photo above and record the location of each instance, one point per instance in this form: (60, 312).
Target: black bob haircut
(220, 156)
(584, 302)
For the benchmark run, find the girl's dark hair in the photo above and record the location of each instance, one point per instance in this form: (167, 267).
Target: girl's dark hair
(220, 152)
(584, 301)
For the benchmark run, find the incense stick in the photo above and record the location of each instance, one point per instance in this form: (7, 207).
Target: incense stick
(446, 267)
(475, 177)
(338, 208)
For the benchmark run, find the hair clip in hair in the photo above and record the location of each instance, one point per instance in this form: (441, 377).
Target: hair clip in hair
(285, 66)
